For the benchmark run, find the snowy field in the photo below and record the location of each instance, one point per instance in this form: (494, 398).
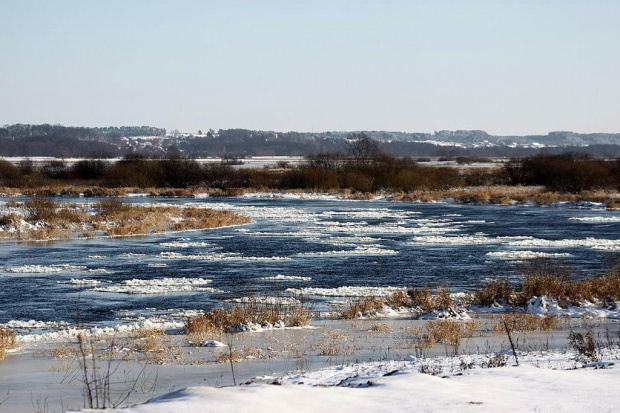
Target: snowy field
(542, 383)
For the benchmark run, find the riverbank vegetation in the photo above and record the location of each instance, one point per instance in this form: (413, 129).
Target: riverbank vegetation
(545, 288)
(361, 171)
(41, 218)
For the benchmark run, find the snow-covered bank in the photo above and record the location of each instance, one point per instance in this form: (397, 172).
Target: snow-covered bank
(400, 386)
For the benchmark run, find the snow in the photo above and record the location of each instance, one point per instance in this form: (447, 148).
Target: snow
(43, 269)
(71, 333)
(265, 300)
(516, 255)
(345, 291)
(159, 286)
(446, 314)
(81, 281)
(184, 244)
(217, 257)
(212, 343)
(596, 219)
(521, 241)
(34, 324)
(361, 250)
(546, 306)
(281, 277)
(543, 382)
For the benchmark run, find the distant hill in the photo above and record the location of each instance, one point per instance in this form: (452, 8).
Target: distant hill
(58, 140)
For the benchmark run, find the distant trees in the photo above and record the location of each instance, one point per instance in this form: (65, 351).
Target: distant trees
(362, 149)
(568, 172)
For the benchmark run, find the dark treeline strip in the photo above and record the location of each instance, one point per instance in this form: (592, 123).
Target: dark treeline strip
(59, 131)
(363, 169)
(55, 146)
(59, 141)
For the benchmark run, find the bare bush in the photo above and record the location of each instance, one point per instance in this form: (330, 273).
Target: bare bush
(7, 342)
(584, 345)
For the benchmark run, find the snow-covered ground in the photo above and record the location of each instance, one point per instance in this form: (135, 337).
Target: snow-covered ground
(543, 382)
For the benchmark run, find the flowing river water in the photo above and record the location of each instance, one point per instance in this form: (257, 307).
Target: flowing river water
(322, 249)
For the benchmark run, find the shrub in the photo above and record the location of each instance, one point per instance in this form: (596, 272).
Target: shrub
(584, 345)
(421, 298)
(89, 169)
(494, 292)
(398, 299)
(40, 208)
(524, 322)
(7, 342)
(367, 307)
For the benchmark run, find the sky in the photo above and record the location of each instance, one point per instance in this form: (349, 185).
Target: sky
(507, 67)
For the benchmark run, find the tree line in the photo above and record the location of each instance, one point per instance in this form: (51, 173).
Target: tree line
(362, 167)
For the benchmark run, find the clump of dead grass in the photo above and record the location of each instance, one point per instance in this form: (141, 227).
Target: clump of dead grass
(524, 322)
(380, 328)
(366, 307)
(450, 332)
(334, 343)
(113, 217)
(493, 293)
(547, 279)
(240, 317)
(156, 346)
(7, 342)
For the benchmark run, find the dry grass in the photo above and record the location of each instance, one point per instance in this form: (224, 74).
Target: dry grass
(367, 307)
(398, 299)
(421, 298)
(524, 322)
(157, 347)
(113, 218)
(7, 342)
(64, 351)
(544, 278)
(380, 328)
(334, 343)
(494, 292)
(450, 332)
(213, 324)
(496, 194)
(226, 357)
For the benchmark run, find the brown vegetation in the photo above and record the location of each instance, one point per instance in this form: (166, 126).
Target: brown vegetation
(366, 307)
(52, 220)
(548, 279)
(542, 278)
(239, 317)
(362, 170)
(7, 342)
(524, 322)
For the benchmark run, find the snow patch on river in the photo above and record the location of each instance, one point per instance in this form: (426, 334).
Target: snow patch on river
(159, 286)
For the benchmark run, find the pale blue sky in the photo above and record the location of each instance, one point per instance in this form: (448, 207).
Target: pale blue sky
(508, 67)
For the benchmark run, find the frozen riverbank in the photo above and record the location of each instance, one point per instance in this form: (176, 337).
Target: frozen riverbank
(334, 353)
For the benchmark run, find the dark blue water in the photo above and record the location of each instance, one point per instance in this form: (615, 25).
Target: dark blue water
(391, 255)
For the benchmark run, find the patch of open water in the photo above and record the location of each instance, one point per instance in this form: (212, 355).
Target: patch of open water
(299, 243)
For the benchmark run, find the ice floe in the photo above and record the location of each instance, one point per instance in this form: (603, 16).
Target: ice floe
(181, 244)
(546, 306)
(524, 255)
(346, 291)
(614, 218)
(44, 269)
(34, 324)
(281, 277)
(361, 250)
(265, 300)
(218, 257)
(159, 286)
(81, 281)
